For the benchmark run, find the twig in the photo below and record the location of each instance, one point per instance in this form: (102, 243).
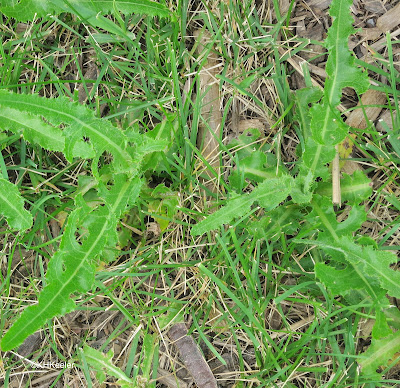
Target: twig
(211, 116)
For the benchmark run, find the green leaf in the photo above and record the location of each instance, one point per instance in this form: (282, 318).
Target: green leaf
(73, 266)
(304, 97)
(339, 281)
(324, 218)
(367, 262)
(254, 167)
(268, 194)
(381, 328)
(379, 354)
(103, 365)
(163, 133)
(164, 202)
(236, 207)
(246, 144)
(316, 156)
(282, 220)
(302, 186)
(326, 126)
(354, 188)
(36, 131)
(373, 263)
(174, 314)
(25, 10)
(352, 284)
(150, 344)
(12, 206)
(340, 67)
(79, 123)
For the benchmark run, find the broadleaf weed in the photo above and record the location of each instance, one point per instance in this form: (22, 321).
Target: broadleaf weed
(89, 230)
(345, 265)
(296, 206)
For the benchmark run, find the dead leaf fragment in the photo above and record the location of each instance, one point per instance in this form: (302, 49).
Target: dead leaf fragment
(319, 4)
(390, 19)
(357, 116)
(30, 345)
(386, 117)
(245, 125)
(168, 379)
(191, 356)
(374, 6)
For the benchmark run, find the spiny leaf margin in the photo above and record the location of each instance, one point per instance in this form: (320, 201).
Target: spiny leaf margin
(268, 194)
(25, 10)
(72, 268)
(12, 206)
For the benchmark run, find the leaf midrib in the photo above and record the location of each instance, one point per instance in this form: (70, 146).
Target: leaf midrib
(107, 140)
(331, 93)
(81, 264)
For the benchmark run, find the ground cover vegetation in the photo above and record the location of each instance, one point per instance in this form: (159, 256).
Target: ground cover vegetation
(199, 193)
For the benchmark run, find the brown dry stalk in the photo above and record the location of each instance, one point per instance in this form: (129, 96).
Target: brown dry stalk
(210, 124)
(390, 19)
(192, 357)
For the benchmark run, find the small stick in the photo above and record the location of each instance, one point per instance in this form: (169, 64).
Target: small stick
(192, 357)
(211, 115)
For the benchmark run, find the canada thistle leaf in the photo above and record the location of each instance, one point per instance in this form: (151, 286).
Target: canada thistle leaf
(354, 188)
(80, 125)
(268, 194)
(368, 262)
(379, 353)
(326, 126)
(282, 220)
(375, 264)
(12, 206)
(324, 218)
(253, 161)
(236, 207)
(340, 67)
(256, 167)
(36, 131)
(72, 268)
(340, 281)
(103, 365)
(25, 10)
(304, 97)
(346, 281)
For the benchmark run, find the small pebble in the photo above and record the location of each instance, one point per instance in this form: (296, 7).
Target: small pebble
(370, 23)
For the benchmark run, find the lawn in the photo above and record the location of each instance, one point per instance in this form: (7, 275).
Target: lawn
(199, 193)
